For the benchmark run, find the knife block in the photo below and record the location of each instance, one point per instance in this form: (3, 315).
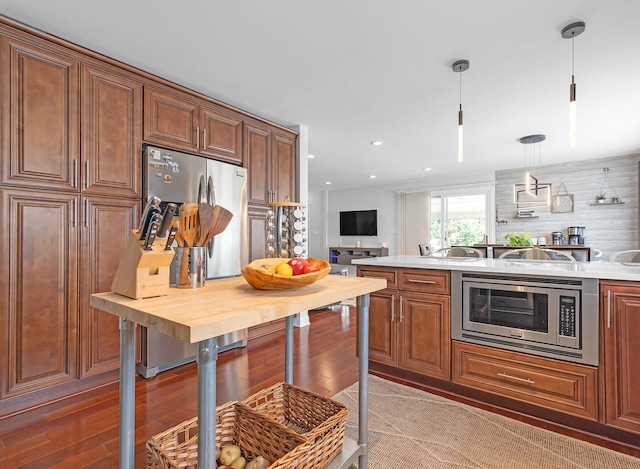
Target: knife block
(142, 274)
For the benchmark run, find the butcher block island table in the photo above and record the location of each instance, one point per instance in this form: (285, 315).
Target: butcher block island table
(201, 315)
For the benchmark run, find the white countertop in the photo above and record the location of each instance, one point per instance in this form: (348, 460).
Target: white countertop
(597, 270)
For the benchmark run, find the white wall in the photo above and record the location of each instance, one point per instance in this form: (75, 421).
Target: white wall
(325, 207)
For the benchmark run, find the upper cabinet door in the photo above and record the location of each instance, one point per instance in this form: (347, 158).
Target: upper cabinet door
(221, 135)
(283, 168)
(111, 134)
(257, 155)
(171, 121)
(40, 109)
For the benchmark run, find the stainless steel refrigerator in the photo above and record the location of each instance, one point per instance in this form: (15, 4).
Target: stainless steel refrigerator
(180, 178)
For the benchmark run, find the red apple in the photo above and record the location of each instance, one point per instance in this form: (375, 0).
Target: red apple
(297, 264)
(313, 266)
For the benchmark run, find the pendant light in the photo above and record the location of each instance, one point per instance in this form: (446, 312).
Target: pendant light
(531, 160)
(460, 66)
(570, 32)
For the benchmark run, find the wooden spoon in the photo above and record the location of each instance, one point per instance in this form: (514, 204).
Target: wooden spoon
(189, 224)
(221, 219)
(205, 219)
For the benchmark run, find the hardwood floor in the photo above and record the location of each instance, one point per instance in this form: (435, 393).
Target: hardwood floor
(82, 431)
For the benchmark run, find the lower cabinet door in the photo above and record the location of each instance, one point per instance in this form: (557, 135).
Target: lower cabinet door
(383, 331)
(106, 226)
(38, 290)
(563, 386)
(425, 334)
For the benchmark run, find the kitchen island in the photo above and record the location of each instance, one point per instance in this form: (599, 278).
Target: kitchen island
(223, 306)
(441, 325)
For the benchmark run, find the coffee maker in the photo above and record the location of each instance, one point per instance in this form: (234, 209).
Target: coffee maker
(576, 234)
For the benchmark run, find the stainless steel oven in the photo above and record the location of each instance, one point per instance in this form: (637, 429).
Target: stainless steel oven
(548, 316)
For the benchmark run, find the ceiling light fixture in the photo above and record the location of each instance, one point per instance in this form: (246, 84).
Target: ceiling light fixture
(570, 32)
(427, 169)
(327, 182)
(311, 156)
(532, 193)
(373, 176)
(460, 66)
(376, 143)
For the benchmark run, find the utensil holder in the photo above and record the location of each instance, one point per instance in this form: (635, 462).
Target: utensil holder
(191, 265)
(142, 274)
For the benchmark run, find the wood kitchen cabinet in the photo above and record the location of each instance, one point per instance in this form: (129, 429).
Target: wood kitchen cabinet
(70, 126)
(178, 120)
(39, 290)
(270, 155)
(105, 226)
(39, 92)
(620, 354)
(409, 321)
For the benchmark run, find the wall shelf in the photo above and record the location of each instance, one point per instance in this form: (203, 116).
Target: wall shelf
(607, 203)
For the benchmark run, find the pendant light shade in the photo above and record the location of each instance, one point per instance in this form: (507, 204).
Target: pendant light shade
(570, 32)
(460, 66)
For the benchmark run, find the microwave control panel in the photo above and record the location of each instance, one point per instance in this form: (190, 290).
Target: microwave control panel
(567, 326)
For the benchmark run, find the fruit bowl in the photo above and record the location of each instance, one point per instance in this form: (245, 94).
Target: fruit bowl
(260, 274)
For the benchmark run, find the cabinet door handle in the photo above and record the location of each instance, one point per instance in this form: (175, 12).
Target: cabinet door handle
(415, 280)
(75, 172)
(86, 213)
(204, 138)
(393, 308)
(198, 137)
(401, 312)
(608, 309)
(86, 174)
(74, 215)
(524, 380)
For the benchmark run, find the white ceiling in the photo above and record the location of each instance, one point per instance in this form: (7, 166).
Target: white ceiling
(354, 71)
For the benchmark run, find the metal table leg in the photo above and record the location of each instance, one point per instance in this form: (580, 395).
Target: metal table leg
(363, 390)
(207, 355)
(288, 350)
(127, 393)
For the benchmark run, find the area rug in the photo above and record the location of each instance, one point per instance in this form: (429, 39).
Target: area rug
(413, 429)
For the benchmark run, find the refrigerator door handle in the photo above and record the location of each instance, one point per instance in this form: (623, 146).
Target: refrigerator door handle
(211, 200)
(202, 191)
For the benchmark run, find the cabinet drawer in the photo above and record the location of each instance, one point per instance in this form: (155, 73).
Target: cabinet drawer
(562, 386)
(388, 273)
(428, 281)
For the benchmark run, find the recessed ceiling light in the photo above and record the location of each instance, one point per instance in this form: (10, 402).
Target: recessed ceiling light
(327, 182)
(427, 169)
(373, 176)
(311, 156)
(376, 143)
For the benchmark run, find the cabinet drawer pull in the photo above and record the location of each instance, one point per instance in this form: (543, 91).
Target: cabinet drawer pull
(525, 380)
(393, 308)
(415, 280)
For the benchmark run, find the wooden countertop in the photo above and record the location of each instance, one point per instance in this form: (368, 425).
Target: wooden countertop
(228, 305)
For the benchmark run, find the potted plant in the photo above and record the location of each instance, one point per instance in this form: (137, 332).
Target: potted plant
(601, 197)
(516, 239)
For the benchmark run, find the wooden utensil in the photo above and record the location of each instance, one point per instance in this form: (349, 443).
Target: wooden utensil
(189, 224)
(221, 219)
(205, 219)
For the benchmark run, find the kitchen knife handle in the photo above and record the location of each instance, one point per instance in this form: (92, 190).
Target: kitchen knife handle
(169, 211)
(172, 235)
(151, 234)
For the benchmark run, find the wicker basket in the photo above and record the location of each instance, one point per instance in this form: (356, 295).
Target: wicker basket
(236, 424)
(319, 419)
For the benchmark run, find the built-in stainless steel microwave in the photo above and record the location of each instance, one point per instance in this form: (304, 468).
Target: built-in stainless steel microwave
(552, 317)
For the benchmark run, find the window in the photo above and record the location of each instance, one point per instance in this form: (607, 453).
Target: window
(461, 217)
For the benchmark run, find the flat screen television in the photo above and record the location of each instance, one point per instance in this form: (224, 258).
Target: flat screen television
(359, 223)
